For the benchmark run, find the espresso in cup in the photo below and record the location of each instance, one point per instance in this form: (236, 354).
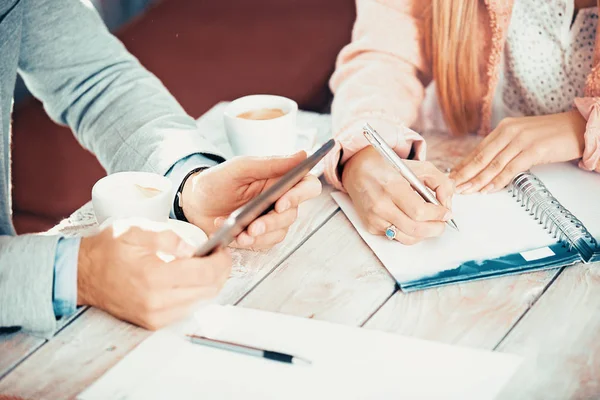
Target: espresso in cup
(262, 114)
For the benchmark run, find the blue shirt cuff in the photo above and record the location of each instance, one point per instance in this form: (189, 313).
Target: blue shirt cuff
(184, 167)
(64, 295)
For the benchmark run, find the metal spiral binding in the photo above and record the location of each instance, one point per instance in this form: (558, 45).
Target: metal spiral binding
(556, 219)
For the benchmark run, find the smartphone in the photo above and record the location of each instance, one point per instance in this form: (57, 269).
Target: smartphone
(239, 220)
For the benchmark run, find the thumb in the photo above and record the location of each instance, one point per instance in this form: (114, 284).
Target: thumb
(269, 167)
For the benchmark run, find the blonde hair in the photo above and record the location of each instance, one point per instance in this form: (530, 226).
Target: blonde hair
(451, 46)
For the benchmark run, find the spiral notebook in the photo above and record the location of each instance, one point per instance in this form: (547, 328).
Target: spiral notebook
(548, 217)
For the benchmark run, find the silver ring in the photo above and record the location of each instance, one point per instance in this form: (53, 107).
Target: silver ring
(391, 232)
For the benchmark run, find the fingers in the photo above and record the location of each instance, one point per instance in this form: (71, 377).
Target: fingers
(259, 168)
(413, 205)
(378, 226)
(521, 163)
(164, 241)
(273, 221)
(496, 166)
(266, 231)
(265, 241)
(442, 185)
(481, 157)
(387, 213)
(308, 188)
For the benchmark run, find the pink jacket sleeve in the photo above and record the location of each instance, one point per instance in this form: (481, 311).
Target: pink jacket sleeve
(379, 78)
(589, 107)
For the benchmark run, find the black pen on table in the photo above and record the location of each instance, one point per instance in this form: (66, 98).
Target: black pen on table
(248, 350)
(390, 155)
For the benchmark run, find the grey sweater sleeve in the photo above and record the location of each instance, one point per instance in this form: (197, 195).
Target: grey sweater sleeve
(87, 80)
(118, 110)
(26, 276)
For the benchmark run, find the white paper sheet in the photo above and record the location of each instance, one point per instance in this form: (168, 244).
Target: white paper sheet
(347, 363)
(490, 226)
(576, 189)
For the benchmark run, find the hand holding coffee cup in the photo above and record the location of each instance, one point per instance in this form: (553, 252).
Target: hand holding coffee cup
(265, 125)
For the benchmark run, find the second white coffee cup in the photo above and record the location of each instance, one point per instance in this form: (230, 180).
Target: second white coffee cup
(265, 137)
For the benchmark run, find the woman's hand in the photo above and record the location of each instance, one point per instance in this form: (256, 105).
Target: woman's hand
(383, 197)
(518, 144)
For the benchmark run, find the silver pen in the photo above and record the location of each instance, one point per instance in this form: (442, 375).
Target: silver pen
(390, 155)
(248, 350)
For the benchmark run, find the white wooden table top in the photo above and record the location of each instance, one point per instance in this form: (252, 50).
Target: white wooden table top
(325, 271)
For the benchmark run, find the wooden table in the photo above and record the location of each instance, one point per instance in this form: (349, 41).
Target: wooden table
(325, 271)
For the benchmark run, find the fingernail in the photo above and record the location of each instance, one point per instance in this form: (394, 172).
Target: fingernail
(258, 229)
(447, 216)
(245, 240)
(464, 187)
(450, 201)
(285, 205)
(219, 222)
(488, 188)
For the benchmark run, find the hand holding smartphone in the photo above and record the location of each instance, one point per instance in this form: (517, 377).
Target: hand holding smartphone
(241, 218)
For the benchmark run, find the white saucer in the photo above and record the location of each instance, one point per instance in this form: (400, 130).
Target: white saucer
(188, 232)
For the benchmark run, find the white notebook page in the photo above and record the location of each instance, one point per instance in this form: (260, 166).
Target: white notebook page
(577, 190)
(347, 363)
(490, 225)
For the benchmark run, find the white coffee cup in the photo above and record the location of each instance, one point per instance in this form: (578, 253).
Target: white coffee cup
(267, 137)
(132, 194)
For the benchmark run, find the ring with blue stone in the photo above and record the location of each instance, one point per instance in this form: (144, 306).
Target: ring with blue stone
(391, 232)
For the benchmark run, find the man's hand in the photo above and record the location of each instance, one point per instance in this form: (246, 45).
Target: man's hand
(518, 144)
(211, 195)
(145, 277)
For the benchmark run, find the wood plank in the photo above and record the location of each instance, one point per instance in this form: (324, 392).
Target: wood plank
(17, 346)
(333, 277)
(74, 358)
(559, 340)
(474, 314)
(96, 341)
(14, 348)
(249, 267)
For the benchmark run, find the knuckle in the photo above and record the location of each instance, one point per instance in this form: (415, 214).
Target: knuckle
(150, 304)
(420, 230)
(410, 228)
(419, 214)
(496, 164)
(535, 154)
(151, 322)
(147, 279)
(281, 237)
(372, 229)
(377, 207)
(519, 141)
(479, 158)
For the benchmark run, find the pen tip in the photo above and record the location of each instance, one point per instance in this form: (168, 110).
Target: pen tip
(453, 225)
